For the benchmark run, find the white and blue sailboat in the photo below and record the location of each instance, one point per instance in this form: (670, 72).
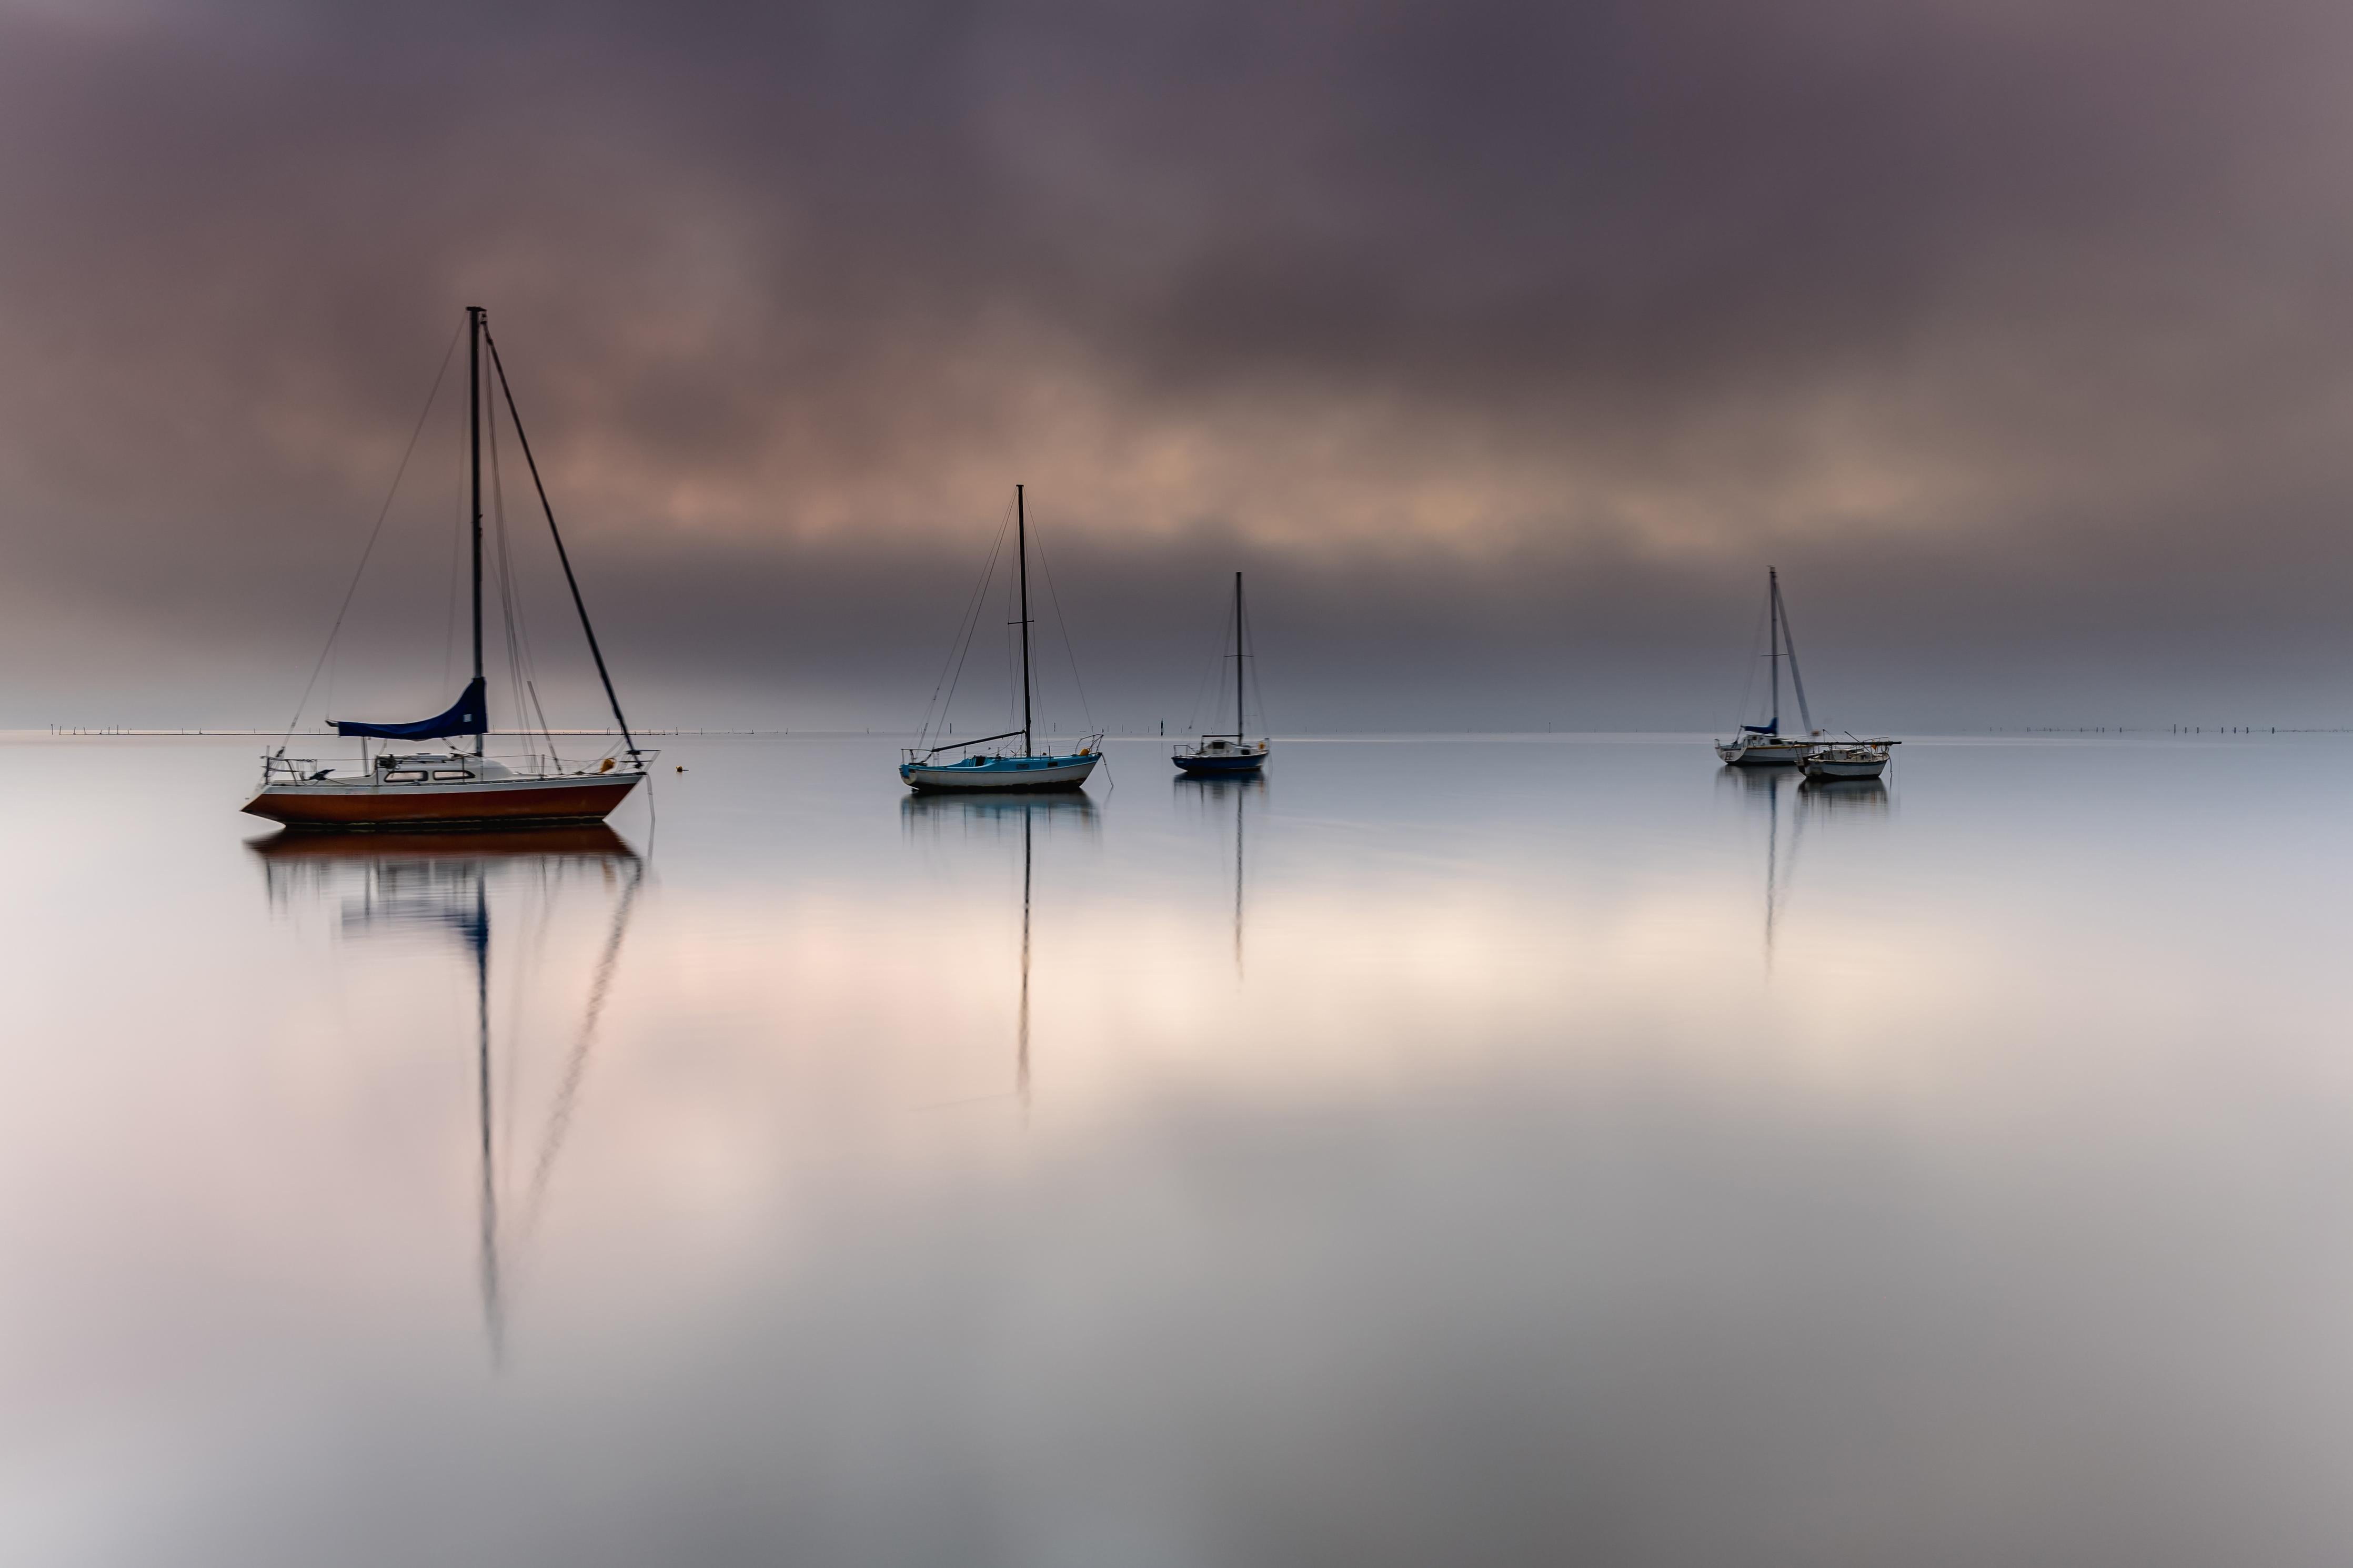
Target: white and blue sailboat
(1763, 745)
(1228, 756)
(1028, 768)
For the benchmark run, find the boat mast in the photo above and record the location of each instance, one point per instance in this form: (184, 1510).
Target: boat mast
(474, 488)
(1238, 657)
(1021, 544)
(1773, 642)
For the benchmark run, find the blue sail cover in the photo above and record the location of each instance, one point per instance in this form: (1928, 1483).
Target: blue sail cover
(466, 717)
(1772, 729)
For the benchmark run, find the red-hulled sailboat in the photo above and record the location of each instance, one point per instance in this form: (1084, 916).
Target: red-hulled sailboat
(456, 788)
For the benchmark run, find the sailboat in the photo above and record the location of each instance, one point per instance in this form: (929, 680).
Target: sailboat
(1763, 745)
(456, 788)
(1853, 760)
(1227, 753)
(1028, 768)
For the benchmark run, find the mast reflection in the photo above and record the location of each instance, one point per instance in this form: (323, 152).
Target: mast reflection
(1209, 792)
(1760, 789)
(993, 816)
(1844, 798)
(440, 885)
(1816, 800)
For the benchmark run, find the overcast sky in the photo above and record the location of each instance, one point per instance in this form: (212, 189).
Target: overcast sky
(1502, 343)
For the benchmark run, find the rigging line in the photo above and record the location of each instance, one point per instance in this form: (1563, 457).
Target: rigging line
(511, 593)
(961, 649)
(457, 550)
(1796, 679)
(1017, 683)
(971, 629)
(555, 762)
(374, 533)
(523, 668)
(563, 556)
(1064, 622)
(1265, 723)
(1215, 667)
(518, 634)
(1748, 686)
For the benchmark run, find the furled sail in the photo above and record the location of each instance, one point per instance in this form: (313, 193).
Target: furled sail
(465, 717)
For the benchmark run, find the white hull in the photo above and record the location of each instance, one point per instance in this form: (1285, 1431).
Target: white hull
(1060, 775)
(1828, 768)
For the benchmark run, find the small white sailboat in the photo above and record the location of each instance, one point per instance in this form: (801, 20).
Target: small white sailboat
(1228, 756)
(1763, 745)
(1026, 769)
(1852, 758)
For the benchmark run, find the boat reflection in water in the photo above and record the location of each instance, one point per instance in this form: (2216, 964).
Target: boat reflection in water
(446, 885)
(1844, 798)
(1816, 800)
(1210, 793)
(1007, 815)
(997, 815)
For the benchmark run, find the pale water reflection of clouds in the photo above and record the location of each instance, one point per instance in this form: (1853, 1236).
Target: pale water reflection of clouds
(1502, 1206)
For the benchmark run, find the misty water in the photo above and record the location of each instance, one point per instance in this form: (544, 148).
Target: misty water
(1470, 1152)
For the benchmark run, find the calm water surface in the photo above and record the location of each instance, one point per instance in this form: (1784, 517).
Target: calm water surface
(1453, 1153)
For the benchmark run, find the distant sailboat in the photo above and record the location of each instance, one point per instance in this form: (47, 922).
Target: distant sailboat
(1028, 769)
(1852, 758)
(1225, 754)
(458, 789)
(1763, 745)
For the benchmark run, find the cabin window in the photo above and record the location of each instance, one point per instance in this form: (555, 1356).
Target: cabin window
(408, 776)
(451, 773)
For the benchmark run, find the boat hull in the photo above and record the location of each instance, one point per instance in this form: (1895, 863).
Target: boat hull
(364, 806)
(1002, 773)
(1764, 753)
(1827, 768)
(1220, 766)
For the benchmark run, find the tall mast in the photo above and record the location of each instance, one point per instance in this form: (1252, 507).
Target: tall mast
(1238, 657)
(1021, 542)
(474, 486)
(1773, 644)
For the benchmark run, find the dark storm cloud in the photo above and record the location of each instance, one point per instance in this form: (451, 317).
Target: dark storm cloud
(1515, 335)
